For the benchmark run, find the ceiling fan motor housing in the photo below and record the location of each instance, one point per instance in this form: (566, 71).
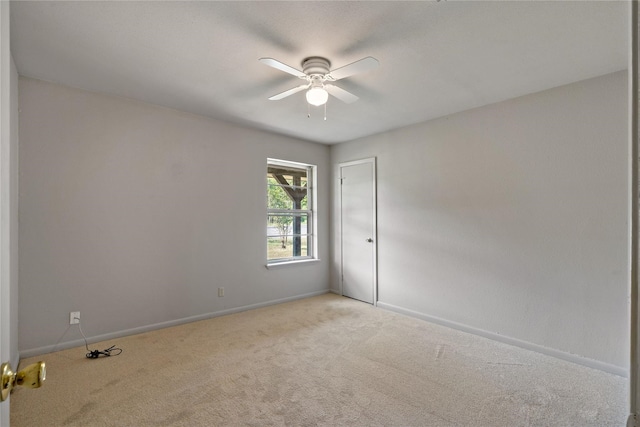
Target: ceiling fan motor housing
(315, 65)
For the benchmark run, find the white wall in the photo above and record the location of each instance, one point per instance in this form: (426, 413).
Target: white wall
(510, 220)
(134, 215)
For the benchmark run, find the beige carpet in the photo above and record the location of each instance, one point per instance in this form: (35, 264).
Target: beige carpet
(325, 361)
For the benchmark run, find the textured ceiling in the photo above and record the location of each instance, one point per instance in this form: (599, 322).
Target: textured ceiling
(436, 58)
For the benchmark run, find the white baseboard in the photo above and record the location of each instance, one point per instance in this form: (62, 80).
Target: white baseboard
(595, 364)
(79, 342)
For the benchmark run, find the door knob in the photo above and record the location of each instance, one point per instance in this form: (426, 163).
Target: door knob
(31, 377)
(370, 240)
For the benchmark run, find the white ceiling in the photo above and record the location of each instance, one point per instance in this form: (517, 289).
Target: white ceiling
(436, 58)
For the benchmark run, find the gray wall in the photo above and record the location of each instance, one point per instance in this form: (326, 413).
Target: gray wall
(511, 220)
(134, 215)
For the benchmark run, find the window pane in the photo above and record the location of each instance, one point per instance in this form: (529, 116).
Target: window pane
(287, 224)
(290, 173)
(284, 247)
(277, 196)
(283, 196)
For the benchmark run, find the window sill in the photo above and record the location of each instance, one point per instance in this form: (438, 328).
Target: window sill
(284, 264)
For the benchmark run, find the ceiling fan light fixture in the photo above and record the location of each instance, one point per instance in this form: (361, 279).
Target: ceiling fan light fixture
(317, 96)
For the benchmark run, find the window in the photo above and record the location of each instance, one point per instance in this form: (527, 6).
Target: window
(290, 211)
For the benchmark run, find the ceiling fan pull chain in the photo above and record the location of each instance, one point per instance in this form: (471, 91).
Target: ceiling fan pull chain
(308, 111)
(325, 111)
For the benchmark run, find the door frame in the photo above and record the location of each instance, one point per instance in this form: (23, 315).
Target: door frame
(6, 350)
(373, 162)
(634, 223)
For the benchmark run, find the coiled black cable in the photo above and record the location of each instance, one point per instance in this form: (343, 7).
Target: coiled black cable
(94, 354)
(106, 352)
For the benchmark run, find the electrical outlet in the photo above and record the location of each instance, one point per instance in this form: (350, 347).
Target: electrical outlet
(220, 292)
(74, 317)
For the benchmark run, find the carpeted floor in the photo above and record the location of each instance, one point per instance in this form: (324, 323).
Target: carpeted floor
(322, 361)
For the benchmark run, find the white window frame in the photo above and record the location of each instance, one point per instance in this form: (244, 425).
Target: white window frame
(312, 223)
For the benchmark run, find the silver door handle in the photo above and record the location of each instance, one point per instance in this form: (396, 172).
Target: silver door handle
(370, 240)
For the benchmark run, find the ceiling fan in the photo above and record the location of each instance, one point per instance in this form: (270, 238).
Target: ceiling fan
(318, 77)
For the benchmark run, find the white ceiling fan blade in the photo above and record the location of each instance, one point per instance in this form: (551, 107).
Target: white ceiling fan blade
(365, 64)
(341, 94)
(288, 92)
(282, 67)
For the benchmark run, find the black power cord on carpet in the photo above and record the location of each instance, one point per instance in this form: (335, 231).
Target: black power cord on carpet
(106, 352)
(94, 354)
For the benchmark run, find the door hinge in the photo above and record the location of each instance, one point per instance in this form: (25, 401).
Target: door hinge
(632, 421)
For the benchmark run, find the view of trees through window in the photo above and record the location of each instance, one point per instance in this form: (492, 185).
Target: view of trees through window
(289, 211)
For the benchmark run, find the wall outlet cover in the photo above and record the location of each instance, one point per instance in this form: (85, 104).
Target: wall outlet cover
(74, 317)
